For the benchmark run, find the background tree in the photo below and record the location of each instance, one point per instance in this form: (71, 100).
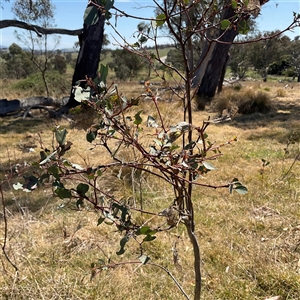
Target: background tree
(125, 64)
(59, 64)
(238, 60)
(293, 57)
(17, 63)
(174, 58)
(267, 51)
(40, 12)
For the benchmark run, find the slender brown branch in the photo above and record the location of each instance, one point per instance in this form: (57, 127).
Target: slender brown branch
(291, 166)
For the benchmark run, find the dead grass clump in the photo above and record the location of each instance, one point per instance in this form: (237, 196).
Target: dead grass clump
(226, 101)
(255, 102)
(280, 93)
(248, 101)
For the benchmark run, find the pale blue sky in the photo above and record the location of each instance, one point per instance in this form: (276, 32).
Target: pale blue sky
(69, 14)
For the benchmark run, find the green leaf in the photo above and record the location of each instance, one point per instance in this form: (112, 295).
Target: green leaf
(136, 44)
(189, 146)
(90, 172)
(242, 190)
(101, 261)
(43, 155)
(144, 259)
(108, 15)
(100, 221)
(91, 15)
(90, 136)
(243, 27)
(44, 177)
(225, 24)
(82, 189)
(137, 118)
(233, 4)
(123, 242)
(31, 183)
(208, 166)
(160, 20)
(79, 203)
(123, 209)
(54, 171)
(143, 39)
(60, 135)
(63, 193)
(109, 4)
(103, 73)
(230, 188)
(149, 238)
(173, 136)
(143, 230)
(238, 187)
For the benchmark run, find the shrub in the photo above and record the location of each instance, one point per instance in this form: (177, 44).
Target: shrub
(58, 84)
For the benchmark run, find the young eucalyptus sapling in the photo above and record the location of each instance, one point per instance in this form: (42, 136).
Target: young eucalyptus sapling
(179, 154)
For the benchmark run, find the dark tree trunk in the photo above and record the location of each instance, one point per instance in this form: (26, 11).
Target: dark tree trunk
(213, 74)
(220, 85)
(88, 58)
(216, 64)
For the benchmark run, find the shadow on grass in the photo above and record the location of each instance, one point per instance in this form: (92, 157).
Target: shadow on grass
(285, 116)
(19, 125)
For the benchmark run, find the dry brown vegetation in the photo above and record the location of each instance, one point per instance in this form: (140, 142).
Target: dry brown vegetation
(250, 244)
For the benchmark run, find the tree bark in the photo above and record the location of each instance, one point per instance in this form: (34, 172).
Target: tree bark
(220, 85)
(88, 59)
(211, 78)
(213, 72)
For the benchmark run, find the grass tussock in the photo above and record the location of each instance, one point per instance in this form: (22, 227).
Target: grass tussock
(247, 101)
(249, 244)
(280, 92)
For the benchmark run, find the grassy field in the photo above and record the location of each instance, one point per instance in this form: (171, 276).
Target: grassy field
(250, 244)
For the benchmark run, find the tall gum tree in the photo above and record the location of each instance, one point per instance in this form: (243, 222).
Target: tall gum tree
(209, 79)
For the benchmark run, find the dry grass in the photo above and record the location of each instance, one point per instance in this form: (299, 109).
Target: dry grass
(250, 244)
